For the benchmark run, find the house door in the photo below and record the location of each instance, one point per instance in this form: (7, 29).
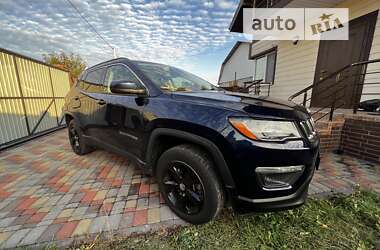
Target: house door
(334, 55)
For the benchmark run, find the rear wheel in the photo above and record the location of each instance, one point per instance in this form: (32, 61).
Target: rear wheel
(189, 184)
(76, 140)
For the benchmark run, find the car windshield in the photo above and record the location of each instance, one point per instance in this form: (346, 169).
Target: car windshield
(169, 78)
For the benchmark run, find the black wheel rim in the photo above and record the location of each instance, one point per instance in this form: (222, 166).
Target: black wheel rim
(183, 188)
(74, 139)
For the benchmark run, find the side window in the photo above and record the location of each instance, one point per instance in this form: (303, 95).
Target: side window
(120, 73)
(95, 77)
(265, 67)
(92, 81)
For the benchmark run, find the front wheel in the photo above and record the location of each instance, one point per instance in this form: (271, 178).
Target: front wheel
(189, 184)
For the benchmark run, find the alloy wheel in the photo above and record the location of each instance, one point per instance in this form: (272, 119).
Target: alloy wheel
(183, 188)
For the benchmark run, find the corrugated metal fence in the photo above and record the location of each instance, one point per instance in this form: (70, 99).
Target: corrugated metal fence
(31, 98)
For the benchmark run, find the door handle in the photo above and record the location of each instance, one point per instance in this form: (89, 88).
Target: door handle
(101, 102)
(322, 74)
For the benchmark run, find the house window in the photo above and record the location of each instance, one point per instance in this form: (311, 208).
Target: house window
(264, 66)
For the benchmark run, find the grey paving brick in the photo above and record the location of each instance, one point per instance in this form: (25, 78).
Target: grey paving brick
(120, 198)
(11, 205)
(112, 193)
(112, 222)
(97, 224)
(11, 228)
(77, 197)
(72, 205)
(6, 221)
(33, 235)
(65, 199)
(97, 185)
(3, 215)
(132, 197)
(4, 203)
(15, 238)
(53, 200)
(118, 207)
(79, 211)
(89, 216)
(166, 213)
(54, 213)
(142, 203)
(123, 191)
(49, 233)
(154, 202)
(45, 222)
(323, 188)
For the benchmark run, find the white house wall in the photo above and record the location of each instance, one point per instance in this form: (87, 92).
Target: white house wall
(238, 63)
(295, 67)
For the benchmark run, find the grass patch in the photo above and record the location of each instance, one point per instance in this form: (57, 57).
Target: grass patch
(351, 222)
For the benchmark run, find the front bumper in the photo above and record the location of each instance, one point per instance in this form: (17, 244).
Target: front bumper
(243, 204)
(249, 195)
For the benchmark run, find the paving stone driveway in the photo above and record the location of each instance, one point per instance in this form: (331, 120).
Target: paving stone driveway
(48, 195)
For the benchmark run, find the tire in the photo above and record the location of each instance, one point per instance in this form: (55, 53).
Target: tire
(76, 140)
(189, 184)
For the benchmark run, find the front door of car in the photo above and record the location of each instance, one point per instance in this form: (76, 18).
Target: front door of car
(123, 112)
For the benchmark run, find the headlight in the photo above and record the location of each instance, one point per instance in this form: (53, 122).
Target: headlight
(267, 130)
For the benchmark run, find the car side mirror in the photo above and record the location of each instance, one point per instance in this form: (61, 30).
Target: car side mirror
(131, 88)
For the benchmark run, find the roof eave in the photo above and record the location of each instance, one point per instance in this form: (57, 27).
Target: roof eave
(236, 24)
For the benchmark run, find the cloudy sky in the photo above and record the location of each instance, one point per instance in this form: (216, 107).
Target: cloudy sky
(191, 34)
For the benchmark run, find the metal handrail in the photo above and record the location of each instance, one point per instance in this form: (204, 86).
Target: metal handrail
(335, 74)
(332, 75)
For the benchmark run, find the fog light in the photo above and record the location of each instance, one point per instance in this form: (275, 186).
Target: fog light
(278, 178)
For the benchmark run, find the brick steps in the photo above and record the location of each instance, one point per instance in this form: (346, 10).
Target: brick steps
(357, 135)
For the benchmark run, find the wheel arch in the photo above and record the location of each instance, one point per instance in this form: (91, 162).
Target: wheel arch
(162, 139)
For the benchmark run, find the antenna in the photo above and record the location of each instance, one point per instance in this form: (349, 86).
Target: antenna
(114, 52)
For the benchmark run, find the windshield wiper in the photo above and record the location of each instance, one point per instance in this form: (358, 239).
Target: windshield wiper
(182, 89)
(175, 89)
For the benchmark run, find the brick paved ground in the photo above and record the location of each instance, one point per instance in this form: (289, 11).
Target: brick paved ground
(48, 195)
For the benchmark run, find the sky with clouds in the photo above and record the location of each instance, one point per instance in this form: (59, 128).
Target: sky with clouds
(190, 34)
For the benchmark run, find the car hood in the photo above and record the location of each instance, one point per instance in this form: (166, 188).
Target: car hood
(252, 105)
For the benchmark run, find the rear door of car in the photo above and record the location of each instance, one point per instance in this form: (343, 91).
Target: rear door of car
(92, 106)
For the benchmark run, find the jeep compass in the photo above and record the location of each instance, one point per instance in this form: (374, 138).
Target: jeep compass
(207, 148)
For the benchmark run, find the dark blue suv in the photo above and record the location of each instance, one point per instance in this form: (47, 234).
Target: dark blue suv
(207, 148)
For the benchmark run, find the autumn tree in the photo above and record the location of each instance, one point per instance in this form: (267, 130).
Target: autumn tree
(73, 63)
